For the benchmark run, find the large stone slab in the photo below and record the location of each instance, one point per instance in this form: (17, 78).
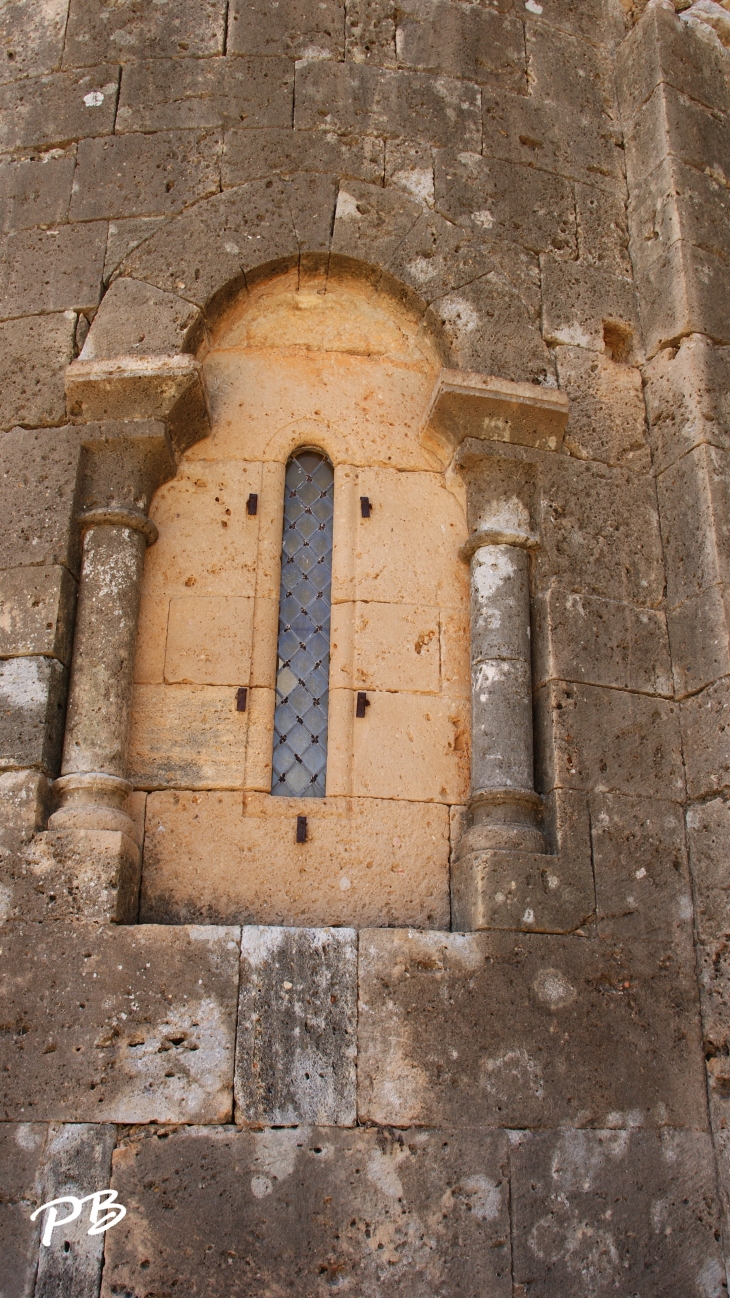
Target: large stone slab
(36, 611)
(615, 1212)
(490, 1030)
(77, 1162)
(600, 642)
(290, 28)
(32, 709)
(169, 94)
(111, 1024)
(608, 740)
(191, 27)
(52, 110)
(52, 270)
(144, 175)
(297, 1027)
(640, 864)
(38, 480)
(367, 1213)
(21, 1158)
(35, 353)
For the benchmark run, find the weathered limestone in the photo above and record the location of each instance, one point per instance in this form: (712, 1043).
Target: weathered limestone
(111, 1024)
(122, 465)
(21, 1154)
(389, 1213)
(296, 1040)
(225, 856)
(77, 1160)
(662, 1223)
(528, 1030)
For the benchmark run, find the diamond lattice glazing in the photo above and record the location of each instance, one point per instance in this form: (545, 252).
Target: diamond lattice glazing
(302, 679)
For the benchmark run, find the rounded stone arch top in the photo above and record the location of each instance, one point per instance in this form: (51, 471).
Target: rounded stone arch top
(141, 356)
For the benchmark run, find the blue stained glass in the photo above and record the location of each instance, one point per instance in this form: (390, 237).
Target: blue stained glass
(302, 679)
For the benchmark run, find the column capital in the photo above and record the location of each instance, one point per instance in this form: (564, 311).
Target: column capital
(470, 405)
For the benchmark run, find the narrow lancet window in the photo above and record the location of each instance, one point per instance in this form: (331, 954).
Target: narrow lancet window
(302, 677)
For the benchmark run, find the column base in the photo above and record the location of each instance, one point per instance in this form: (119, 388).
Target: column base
(83, 874)
(503, 820)
(527, 891)
(93, 800)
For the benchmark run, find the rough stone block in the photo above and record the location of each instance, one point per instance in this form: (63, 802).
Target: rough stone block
(209, 641)
(706, 740)
(370, 33)
(471, 42)
(293, 29)
(251, 155)
(699, 634)
(688, 399)
(32, 709)
(136, 319)
(78, 1161)
(435, 1201)
(672, 123)
(409, 165)
(23, 803)
(113, 1024)
(578, 301)
(203, 549)
(694, 498)
(640, 863)
(174, 94)
(144, 175)
(661, 48)
(52, 270)
(550, 137)
(684, 292)
(609, 741)
(525, 891)
(607, 419)
(32, 40)
(186, 736)
(50, 111)
(36, 191)
(35, 353)
(535, 1030)
(518, 203)
(599, 532)
(212, 856)
(708, 838)
(37, 612)
(678, 202)
(436, 577)
(600, 642)
(569, 72)
(84, 874)
(630, 1210)
(190, 28)
(364, 100)
(212, 246)
(372, 222)
(491, 329)
(21, 1155)
(428, 741)
(124, 236)
(603, 236)
(387, 647)
(296, 1040)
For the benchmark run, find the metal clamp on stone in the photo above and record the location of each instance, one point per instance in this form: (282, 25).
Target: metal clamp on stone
(501, 874)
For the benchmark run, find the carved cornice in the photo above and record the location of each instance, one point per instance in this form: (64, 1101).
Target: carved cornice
(468, 405)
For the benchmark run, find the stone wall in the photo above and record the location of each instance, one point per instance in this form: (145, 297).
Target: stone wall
(541, 188)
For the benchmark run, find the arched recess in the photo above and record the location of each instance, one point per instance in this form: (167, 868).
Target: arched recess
(328, 359)
(138, 392)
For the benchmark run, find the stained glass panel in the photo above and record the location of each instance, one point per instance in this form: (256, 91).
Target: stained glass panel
(302, 677)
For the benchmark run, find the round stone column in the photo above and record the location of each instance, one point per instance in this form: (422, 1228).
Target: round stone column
(93, 786)
(503, 806)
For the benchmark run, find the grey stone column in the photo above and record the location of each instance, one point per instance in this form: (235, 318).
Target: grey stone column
(503, 805)
(93, 787)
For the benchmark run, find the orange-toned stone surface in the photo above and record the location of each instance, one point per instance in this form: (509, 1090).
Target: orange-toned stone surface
(365, 861)
(339, 365)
